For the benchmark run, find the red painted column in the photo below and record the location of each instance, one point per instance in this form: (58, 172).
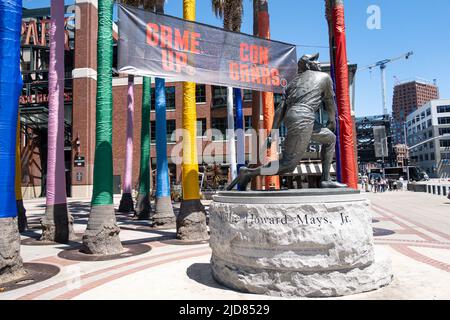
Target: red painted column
(346, 134)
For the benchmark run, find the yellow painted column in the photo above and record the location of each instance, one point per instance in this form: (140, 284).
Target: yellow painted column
(190, 181)
(18, 181)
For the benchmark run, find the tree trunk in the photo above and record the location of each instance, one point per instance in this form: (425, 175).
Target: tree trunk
(267, 97)
(102, 233)
(191, 222)
(126, 203)
(231, 148)
(346, 132)
(143, 206)
(329, 18)
(164, 215)
(21, 211)
(11, 267)
(256, 108)
(57, 224)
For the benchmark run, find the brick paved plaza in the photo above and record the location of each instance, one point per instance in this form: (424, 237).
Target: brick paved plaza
(414, 228)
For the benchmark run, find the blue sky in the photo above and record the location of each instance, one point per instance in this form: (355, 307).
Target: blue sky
(420, 26)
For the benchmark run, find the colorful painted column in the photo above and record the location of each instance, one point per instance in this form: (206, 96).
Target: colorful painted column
(346, 132)
(57, 223)
(126, 203)
(102, 232)
(143, 206)
(11, 265)
(191, 222)
(164, 215)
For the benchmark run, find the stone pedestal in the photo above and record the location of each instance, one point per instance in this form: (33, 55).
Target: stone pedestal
(313, 243)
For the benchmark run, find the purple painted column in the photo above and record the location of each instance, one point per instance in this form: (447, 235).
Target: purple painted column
(56, 177)
(129, 144)
(126, 203)
(57, 225)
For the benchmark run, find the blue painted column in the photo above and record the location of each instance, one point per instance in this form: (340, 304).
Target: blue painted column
(164, 211)
(239, 127)
(10, 88)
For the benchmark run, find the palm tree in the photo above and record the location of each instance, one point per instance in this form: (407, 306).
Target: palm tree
(11, 265)
(21, 211)
(143, 206)
(102, 232)
(231, 12)
(126, 203)
(256, 98)
(57, 224)
(191, 221)
(267, 97)
(336, 23)
(164, 215)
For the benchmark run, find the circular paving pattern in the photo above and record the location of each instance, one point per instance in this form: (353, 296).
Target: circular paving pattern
(131, 250)
(36, 272)
(33, 240)
(178, 242)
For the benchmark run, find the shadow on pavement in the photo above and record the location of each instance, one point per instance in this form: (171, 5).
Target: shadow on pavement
(201, 273)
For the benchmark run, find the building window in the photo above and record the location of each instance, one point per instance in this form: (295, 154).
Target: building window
(219, 96)
(422, 115)
(221, 125)
(443, 131)
(443, 109)
(170, 128)
(201, 127)
(427, 158)
(432, 145)
(428, 112)
(445, 143)
(444, 120)
(432, 158)
(429, 123)
(248, 96)
(170, 98)
(248, 122)
(200, 93)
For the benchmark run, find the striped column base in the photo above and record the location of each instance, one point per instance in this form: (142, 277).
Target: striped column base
(11, 264)
(191, 221)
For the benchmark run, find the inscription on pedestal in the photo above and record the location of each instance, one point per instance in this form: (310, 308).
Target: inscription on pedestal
(303, 220)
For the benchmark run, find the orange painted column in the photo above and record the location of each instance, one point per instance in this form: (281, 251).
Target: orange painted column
(268, 106)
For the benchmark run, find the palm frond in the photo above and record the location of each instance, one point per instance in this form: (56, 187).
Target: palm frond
(230, 11)
(218, 7)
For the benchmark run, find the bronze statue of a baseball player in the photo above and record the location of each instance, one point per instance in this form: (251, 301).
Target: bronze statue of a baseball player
(303, 98)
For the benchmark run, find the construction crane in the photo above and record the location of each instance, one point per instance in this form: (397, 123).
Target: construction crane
(382, 64)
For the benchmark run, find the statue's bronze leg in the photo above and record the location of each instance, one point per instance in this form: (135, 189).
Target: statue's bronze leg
(328, 141)
(296, 143)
